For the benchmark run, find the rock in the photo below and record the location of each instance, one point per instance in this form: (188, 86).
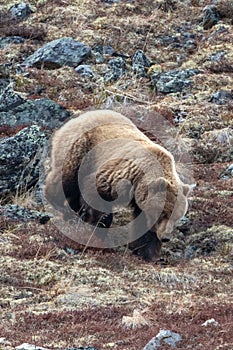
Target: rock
(99, 52)
(183, 40)
(217, 56)
(85, 70)
(15, 111)
(19, 160)
(227, 174)
(221, 97)
(210, 17)
(58, 53)
(190, 252)
(11, 40)
(166, 336)
(140, 62)
(83, 348)
(211, 322)
(153, 344)
(16, 212)
(20, 11)
(173, 80)
(26, 346)
(110, 2)
(116, 69)
(9, 100)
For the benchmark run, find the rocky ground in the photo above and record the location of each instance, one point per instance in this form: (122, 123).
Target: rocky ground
(168, 66)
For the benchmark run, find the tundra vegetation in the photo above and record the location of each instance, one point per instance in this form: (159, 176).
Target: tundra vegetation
(151, 60)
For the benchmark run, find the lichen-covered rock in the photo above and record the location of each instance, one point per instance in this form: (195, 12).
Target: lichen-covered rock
(15, 110)
(215, 57)
(210, 16)
(26, 346)
(221, 97)
(228, 173)
(85, 70)
(116, 69)
(9, 100)
(83, 348)
(140, 62)
(164, 336)
(18, 213)
(20, 11)
(19, 160)
(11, 40)
(58, 53)
(173, 80)
(100, 52)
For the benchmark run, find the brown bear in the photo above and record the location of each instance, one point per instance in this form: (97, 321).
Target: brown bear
(100, 160)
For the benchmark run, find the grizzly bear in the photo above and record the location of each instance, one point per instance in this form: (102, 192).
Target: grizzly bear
(101, 160)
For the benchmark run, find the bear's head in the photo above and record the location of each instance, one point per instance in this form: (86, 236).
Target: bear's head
(164, 205)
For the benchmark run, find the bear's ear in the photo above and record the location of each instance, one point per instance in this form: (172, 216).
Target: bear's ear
(186, 189)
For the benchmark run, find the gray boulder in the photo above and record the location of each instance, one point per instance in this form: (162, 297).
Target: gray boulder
(15, 111)
(19, 160)
(58, 53)
(173, 80)
(20, 11)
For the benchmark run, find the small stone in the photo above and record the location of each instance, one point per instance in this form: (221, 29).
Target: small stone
(169, 337)
(173, 80)
(16, 212)
(26, 346)
(104, 50)
(116, 69)
(211, 322)
(227, 174)
(221, 97)
(85, 70)
(83, 348)
(211, 16)
(20, 11)
(11, 40)
(140, 62)
(9, 99)
(217, 56)
(166, 336)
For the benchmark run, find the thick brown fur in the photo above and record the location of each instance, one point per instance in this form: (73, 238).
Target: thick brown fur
(122, 163)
